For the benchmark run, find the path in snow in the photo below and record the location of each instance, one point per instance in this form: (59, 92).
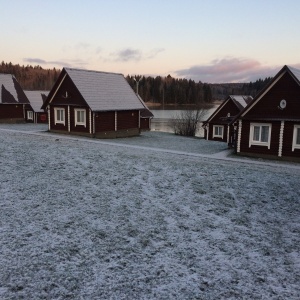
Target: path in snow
(220, 155)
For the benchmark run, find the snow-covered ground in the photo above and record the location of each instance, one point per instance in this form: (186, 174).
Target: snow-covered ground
(137, 218)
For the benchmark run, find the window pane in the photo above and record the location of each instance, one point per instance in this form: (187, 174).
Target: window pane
(256, 132)
(78, 116)
(298, 136)
(58, 115)
(216, 130)
(220, 130)
(264, 133)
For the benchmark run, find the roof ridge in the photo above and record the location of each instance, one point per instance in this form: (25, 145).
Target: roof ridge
(92, 71)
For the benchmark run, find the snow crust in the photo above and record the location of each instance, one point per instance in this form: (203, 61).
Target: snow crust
(137, 219)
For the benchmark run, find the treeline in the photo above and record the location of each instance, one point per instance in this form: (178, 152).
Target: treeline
(161, 90)
(222, 90)
(168, 90)
(31, 77)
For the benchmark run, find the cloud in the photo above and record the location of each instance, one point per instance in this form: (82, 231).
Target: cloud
(127, 54)
(75, 63)
(229, 70)
(154, 52)
(35, 60)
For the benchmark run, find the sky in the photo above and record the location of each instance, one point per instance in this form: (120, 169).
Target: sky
(213, 41)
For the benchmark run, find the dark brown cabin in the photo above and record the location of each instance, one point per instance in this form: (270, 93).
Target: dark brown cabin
(13, 101)
(270, 125)
(217, 127)
(33, 112)
(91, 103)
(145, 117)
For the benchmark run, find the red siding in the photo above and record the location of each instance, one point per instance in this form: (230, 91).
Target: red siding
(286, 88)
(74, 97)
(128, 119)
(211, 129)
(54, 126)
(105, 121)
(229, 107)
(288, 140)
(145, 123)
(79, 128)
(274, 145)
(11, 111)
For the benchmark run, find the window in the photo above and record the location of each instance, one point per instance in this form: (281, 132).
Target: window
(296, 138)
(59, 116)
(218, 131)
(80, 118)
(29, 115)
(260, 134)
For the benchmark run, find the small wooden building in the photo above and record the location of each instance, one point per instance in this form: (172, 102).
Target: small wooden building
(217, 126)
(34, 113)
(13, 101)
(92, 103)
(145, 117)
(270, 125)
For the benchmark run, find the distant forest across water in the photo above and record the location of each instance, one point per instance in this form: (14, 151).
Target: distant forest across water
(156, 90)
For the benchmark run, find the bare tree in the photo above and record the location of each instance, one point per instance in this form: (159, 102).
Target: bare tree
(186, 122)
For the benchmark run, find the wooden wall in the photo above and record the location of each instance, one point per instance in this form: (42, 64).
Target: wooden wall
(11, 112)
(145, 123)
(288, 140)
(127, 119)
(105, 121)
(286, 88)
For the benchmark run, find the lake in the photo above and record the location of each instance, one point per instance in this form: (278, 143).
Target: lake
(162, 118)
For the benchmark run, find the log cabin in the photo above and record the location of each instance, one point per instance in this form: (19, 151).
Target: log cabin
(34, 113)
(270, 125)
(217, 127)
(13, 101)
(93, 103)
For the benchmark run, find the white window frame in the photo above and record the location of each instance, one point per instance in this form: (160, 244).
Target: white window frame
(59, 121)
(295, 145)
(29, 115)
(218, 135)
(80, 122)
(259, 142)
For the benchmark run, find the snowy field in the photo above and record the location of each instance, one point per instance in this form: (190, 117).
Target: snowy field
(137, 218)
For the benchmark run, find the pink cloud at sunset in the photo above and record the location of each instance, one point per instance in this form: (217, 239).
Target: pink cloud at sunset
(229, 70)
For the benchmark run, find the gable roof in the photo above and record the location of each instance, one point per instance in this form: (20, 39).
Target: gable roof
(241, 101)
(145, 113)
(36, 99)
(11, 91)
(102, 91)
(295, 73)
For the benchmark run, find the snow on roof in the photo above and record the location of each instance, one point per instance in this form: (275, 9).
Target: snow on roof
(36, 99)
(241, 100)
(104, 91)
(145, 113)
(6, 81)
(295, 71)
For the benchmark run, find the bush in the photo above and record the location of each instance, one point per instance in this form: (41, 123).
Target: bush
(185, 123)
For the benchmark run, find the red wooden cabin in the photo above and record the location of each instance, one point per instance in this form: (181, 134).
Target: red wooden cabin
(13, 101)
(270, 125)
(34, 113)
(96, 104)
(217, 127)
